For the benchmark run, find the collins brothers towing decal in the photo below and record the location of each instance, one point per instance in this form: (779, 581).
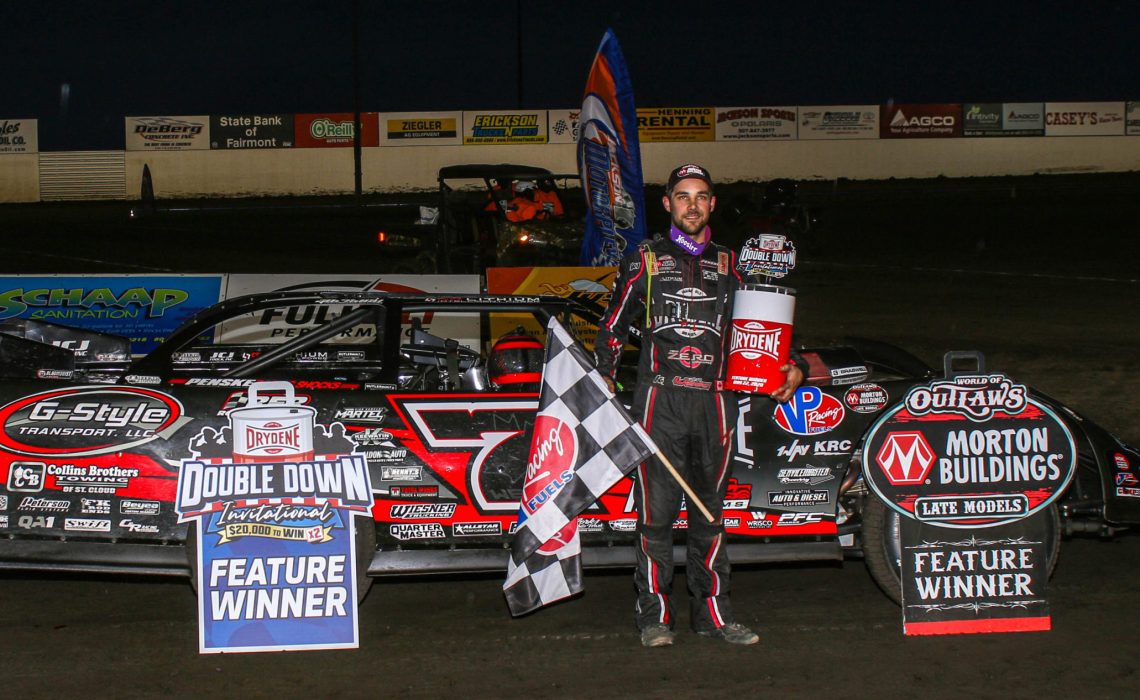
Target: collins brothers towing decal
(976, 451)
(85, 421)
(273, 494)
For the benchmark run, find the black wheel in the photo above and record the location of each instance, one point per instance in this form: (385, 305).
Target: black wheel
(882, 550)
(365, 549)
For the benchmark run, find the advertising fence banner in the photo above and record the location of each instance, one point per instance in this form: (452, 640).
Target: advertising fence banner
(1084, 118)
(972, 465)
(734, 123)
(335, 130)
(921, 121)
(251, 131)
(19, 136)
(420, 128)
(1132, 119)
(501, 127)
(168, 133)
(143, 308)
(564, 125)
(839, 122)
(1003, 119)
(666, 124)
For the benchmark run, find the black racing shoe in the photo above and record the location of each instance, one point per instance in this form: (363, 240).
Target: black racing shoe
(733, 633)
(656, 636)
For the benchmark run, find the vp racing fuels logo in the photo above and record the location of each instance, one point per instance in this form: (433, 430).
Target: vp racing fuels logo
(84, 421)
(809, 412)
(554, 452)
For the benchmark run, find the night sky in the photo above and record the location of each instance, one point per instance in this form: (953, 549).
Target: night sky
(81, 67)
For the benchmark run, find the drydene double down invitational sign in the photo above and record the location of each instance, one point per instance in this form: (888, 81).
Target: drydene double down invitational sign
(972, 465)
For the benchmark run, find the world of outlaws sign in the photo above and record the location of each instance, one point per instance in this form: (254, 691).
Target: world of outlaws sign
(971, 465)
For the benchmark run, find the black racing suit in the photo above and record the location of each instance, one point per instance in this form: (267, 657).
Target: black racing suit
(683, 304)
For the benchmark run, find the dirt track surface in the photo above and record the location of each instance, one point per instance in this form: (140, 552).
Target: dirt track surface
(826, 631)
(1068, 328)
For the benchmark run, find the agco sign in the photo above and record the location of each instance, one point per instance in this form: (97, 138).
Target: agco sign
(84, 421)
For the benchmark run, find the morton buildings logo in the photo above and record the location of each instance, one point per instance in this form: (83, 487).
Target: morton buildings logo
(905, 458)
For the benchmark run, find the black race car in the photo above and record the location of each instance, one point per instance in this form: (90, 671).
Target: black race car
(480, 223)
(92, 440)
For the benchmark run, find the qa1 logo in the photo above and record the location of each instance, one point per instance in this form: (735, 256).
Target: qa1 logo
(809, 412)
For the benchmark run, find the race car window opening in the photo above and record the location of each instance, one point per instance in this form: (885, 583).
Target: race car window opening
(308, 341)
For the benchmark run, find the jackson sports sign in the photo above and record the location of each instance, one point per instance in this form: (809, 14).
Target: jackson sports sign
(974, 451)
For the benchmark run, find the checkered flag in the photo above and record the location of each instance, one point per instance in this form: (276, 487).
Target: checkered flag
(584, 442)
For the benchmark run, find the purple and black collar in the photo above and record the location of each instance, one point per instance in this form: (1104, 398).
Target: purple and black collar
(688, 244)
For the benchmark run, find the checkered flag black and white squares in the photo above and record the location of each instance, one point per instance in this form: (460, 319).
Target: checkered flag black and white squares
(584, 442)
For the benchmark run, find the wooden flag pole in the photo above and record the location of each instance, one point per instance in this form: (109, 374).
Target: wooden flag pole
(693, 499)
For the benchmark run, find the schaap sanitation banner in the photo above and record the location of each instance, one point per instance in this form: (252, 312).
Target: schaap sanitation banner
(972, 465)
(143, 308)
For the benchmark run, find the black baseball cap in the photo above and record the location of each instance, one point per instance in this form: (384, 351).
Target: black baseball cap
(689, 170)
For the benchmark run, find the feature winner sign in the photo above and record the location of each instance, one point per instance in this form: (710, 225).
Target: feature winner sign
(273, 495)
(972, 464)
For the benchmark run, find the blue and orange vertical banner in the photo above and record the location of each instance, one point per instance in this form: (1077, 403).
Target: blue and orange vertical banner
(609, 160)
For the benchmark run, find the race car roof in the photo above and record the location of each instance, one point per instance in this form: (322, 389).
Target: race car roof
(500, 171)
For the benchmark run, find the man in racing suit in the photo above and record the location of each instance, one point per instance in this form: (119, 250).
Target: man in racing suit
(679, 290)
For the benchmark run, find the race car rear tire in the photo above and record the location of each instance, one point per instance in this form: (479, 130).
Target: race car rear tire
(365, 550)
(882, 548)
